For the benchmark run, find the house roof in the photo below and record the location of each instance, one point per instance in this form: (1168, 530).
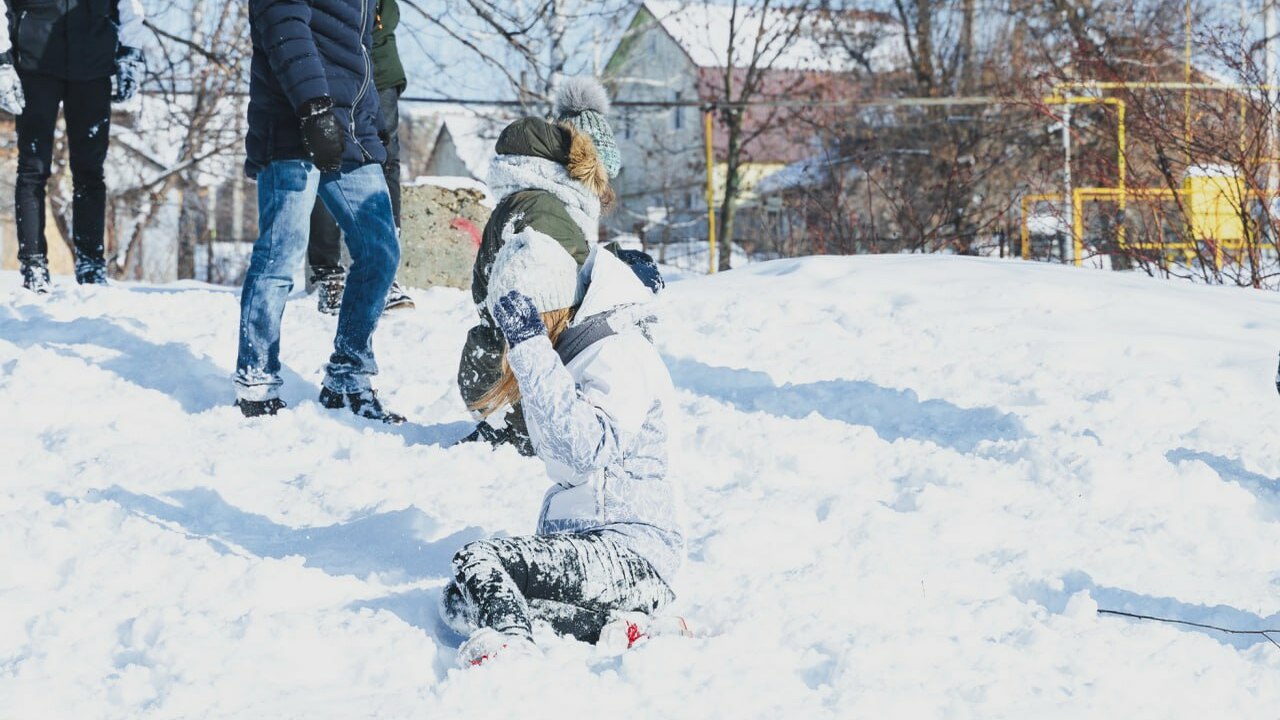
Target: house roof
(706, 31)
(810, 172)
(473, 132)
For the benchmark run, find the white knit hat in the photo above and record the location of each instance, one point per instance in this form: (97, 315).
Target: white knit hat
(539, 268)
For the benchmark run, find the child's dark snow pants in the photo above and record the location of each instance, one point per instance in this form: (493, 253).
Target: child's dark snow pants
(571, 581)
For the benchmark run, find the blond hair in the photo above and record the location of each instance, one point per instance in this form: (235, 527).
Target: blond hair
(506, 391)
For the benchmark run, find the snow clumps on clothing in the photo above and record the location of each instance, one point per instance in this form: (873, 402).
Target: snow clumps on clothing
(534, 264)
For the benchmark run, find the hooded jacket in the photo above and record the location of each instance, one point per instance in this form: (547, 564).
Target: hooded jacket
(601, 423)
(546, 177)
(388, 71)
(74, 40)
(303, 50)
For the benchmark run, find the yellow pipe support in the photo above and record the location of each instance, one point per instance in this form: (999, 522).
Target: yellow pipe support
(1122, 170)
(1027, 200)
(1121, 164)
(1026, 234)
(1077, 228)
(1157, 85)
(711, 192)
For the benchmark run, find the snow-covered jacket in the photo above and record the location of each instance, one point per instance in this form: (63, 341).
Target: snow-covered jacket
(75, 40)
(600, 423)
(547, 177)
(303, 50)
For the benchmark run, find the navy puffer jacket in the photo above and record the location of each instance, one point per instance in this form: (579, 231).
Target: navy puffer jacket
(302, 50)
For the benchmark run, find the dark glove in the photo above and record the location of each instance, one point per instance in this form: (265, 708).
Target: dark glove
(131, 66)
(518, 318)
(322, 134)
(642, 264)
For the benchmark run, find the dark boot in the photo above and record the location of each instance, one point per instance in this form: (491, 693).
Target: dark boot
(330, 286)
(365, 404)
(258, 408)
(91, 271)
(35, 276)
(398, 299)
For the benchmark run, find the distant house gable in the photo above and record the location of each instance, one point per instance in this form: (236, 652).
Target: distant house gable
(703, 31)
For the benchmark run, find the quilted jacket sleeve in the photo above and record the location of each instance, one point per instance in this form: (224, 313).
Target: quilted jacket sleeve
(285, 29)
(584, 426)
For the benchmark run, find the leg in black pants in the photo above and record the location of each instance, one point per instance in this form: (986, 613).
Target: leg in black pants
(390, 102)
(87, 108)
(88, 114)
(35, 153)
(324, 246)
(574, 582)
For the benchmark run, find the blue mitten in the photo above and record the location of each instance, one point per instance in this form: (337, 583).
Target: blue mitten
(518, 318)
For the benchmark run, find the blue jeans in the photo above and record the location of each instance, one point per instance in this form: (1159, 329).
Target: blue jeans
(359, 201)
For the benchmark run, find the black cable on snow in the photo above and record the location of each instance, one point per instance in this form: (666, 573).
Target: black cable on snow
(1263, 633)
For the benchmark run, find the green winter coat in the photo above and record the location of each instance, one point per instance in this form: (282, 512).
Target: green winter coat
(388, 72)
(533, 177)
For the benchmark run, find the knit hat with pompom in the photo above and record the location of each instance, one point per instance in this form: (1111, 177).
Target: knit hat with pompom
(583, 103)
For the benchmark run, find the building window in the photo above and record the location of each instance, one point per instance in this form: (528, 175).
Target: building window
(678, 118)
(627, 131)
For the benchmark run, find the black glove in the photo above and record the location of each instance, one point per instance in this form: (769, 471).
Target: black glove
(322, 134)
(518, 318)
(131, 66)
(642, 264)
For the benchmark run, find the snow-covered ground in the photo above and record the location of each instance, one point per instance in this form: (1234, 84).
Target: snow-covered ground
(910, 480)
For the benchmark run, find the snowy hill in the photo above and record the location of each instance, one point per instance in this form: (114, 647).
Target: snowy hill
(910, 481)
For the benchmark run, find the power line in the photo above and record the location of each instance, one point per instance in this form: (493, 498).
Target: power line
(722, 104)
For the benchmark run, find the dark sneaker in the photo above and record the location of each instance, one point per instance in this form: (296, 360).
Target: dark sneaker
(329, 295)
(91, 271)
(365, 404)
(258, 408)
(398, 299)
(35, 276)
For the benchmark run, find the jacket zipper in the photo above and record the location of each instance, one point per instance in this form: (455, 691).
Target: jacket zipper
(364, 86)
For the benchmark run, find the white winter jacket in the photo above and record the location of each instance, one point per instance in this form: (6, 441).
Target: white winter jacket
(601, 423)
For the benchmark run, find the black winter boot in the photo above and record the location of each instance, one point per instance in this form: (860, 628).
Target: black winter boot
(91, 271)
(258, 408)
(330, 286)
(365, 404)
(398, 299)
(35, 276)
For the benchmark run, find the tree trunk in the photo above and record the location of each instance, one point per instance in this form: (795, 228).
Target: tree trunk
(732, 188)
(188, 230)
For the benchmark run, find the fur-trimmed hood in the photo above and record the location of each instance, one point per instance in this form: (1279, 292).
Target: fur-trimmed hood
(534, 154)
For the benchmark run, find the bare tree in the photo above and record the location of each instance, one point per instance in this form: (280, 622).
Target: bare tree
(767, 47)
(531, 44)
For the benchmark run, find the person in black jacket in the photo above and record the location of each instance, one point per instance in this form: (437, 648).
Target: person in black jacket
(65, 52)
(324, 251)
(313, 128)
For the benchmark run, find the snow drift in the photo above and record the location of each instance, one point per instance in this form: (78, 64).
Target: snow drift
(911, 482)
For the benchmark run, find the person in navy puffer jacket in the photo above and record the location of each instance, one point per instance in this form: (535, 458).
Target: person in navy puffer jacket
(313, 120)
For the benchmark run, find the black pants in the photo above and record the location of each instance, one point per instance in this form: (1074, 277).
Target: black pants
(324, 250)
(87, 107)
(572, 582)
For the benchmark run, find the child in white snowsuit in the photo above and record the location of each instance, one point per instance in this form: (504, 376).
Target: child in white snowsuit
(597, 399)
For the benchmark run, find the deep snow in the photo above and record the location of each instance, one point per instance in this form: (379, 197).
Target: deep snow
(911, 480)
